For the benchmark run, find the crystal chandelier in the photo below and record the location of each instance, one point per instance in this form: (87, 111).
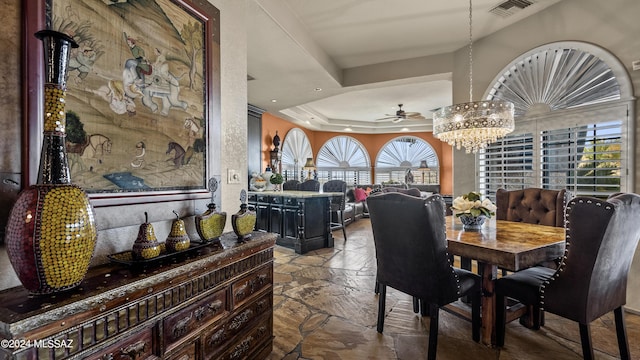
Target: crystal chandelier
(475, 124)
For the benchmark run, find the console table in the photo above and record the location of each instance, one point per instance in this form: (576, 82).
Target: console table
(301, 219)
(215, 302)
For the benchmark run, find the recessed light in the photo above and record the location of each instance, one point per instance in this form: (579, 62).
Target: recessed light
(308, 122)
(348, 129)
(317, 89)
(274, 100)
(404, 129)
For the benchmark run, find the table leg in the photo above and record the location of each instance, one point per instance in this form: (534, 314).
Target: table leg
(489, 273)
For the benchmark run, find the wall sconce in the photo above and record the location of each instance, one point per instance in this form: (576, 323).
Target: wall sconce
(275, 156)
(309, 166)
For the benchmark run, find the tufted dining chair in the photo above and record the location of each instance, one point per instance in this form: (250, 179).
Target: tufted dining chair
(532, 206)
(591, 281)
(337, 204)
(309, 185)
(290, 185)
(411, 257)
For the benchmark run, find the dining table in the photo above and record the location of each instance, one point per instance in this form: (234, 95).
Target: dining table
(503, 244)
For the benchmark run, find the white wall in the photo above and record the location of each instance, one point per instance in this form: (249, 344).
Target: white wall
(612, 25)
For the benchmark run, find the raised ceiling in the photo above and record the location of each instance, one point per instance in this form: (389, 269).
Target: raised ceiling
(334, 65)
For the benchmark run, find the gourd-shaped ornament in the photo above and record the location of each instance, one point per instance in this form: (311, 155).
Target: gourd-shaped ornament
(244, 221)
(146, 245)
(51, 232)
(178, 239)
(210, 224)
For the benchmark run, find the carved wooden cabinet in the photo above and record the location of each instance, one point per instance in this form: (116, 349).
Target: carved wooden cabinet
(213, 303)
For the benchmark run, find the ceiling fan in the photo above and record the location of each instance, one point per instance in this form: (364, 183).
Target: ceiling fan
(402, 115)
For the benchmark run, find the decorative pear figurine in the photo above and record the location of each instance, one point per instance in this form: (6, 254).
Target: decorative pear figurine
(244, 220)
(146, 245)
(178, 239)
(210, 224)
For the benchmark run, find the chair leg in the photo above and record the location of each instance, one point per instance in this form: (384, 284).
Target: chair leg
(416, 305)
(433, 331)
(621, 331)
(344, 228)
(381, 306)
(501, 321)
(585, 338)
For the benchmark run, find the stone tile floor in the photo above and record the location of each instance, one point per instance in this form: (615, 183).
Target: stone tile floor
(325, 308)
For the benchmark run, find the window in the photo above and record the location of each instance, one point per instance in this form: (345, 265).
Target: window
(572, 125)
(343, 158)
(295, 151)
(407, 152)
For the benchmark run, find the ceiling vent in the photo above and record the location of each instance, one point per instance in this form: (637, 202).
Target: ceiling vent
(510, 7)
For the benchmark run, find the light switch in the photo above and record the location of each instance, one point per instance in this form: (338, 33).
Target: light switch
(233, 176)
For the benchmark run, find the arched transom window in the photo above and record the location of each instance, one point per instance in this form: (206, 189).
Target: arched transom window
(295, 151)
(572, 104)
(407, 152)
(343, 158)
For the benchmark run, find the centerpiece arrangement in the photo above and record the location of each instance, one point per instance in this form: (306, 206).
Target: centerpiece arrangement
(276, 179)
(472, 210)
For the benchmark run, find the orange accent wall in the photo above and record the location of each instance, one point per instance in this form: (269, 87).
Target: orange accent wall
(372, 142)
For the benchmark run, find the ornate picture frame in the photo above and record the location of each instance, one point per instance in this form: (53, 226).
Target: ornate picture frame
(143, 96)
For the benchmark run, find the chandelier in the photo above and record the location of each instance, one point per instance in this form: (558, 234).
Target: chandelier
(475, 124)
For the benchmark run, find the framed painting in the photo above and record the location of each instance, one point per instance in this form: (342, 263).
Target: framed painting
(143, 96)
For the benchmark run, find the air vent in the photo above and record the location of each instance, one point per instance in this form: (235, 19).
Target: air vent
(510, 7)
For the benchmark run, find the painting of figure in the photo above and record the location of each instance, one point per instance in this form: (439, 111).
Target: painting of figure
(142, 67)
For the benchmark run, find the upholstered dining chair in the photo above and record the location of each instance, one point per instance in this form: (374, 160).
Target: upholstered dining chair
(410, 191)
(411, 256)
(290, 185)
(337, 204)
(309, 185)
(601, 238)
(532, 206)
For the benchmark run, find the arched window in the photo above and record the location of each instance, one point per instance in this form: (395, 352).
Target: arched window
(343, 158)
(407, 152)
(572, 103)
(295, 151)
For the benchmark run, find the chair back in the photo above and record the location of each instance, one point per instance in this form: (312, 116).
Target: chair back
(411, 191)
(309, 185)
(601, 240)
(532, 205)
(290, 185)
(337, 186)
(411, 246)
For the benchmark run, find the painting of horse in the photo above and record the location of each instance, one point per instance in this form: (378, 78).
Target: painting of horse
(154, 80)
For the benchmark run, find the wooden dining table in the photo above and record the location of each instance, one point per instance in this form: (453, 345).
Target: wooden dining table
(502, 244)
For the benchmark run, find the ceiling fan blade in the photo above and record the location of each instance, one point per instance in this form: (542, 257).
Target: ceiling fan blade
(397, 120)
(416, 117)
(411, 113)
(387, 118)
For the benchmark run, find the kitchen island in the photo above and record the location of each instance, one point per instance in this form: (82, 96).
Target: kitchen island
(301, 219)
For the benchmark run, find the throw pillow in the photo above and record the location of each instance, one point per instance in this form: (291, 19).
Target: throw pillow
(361, 195)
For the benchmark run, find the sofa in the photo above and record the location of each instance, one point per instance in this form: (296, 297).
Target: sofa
(358, 204)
